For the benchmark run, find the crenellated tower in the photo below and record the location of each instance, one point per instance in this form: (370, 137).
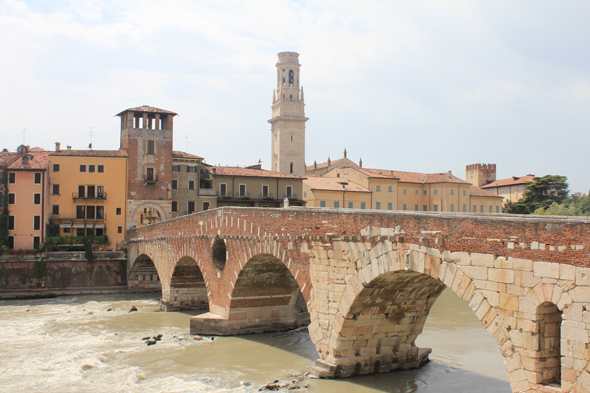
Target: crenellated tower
(288, 117)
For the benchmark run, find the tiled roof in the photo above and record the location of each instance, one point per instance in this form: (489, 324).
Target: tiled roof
(511, 181)
(6, 157)
(181, 154)
(247, 172)
(478, 192)
(333, 184)
(37, 160)
(412, 177)
(443, 178)
(337, 162)
(147, 108)
(90, 153)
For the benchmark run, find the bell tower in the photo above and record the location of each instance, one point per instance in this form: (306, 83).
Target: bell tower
(288, 118)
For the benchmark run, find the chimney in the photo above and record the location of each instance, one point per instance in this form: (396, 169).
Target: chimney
(450, 172)
(57, 146)
(69, 147)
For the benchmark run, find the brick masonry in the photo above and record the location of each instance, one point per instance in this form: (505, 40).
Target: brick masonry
(369, 279)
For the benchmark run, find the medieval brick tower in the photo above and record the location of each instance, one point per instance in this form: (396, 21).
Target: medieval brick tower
(146, 136)
(288, 118)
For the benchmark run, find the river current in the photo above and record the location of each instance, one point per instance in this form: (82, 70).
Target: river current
(75, 344)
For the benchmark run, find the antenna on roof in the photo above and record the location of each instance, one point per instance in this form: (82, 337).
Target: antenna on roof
(24, 129)
(90, 145)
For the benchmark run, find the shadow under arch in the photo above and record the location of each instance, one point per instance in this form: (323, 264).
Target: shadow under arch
(187, 286)
(266, 297)
(143, 275)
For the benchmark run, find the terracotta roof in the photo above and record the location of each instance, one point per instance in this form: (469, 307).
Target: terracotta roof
(247, 172)
(478, 192)
(90, 153)
(6, 157)
(333, 184)
(412, 177)
(147, 108)
(332, 163)
(37, 160)
(443, 178)
(181, 154)
(511, 181)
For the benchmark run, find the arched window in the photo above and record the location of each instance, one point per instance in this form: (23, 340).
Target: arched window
(291, 76)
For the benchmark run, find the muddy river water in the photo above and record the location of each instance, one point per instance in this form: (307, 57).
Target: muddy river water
(73, 344)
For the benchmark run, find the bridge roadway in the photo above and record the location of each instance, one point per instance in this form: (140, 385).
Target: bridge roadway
(365, 281)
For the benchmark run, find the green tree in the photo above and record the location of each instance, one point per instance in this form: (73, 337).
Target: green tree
(542, 192)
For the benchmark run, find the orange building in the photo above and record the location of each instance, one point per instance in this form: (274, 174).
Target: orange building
(28, 205)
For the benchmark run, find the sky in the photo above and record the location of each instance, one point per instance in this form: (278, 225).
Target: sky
(421, 86)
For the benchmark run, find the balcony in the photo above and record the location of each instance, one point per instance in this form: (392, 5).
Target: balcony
(92, 197)
(150, 179)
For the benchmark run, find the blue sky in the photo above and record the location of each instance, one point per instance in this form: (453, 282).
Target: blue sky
(425, 86)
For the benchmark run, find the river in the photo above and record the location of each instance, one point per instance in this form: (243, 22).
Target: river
(73, 344)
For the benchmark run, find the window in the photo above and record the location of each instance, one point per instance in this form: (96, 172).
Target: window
(497, 209)
(223, 189)
(150, 147)
(36, 199)
(416, 208)
(264, 191)
(464, 208)
(378, 188)
(351, 205)
(378, 205)
(481, 209)
(11, 177)
(289, 191)
(37, 178)
(205, 205)
(291, 168)
(424, 208)
(404, 207)
(435, 208)
(242, 190)
(99, 232)
(55, 167)
(118, 211)
(191, 184)
(11, 199)
(90, 192)
(150, 174)
(36, 241)
(322, 203)
(100, 168)
(11, 242)
(405, 191)
(191, 169)
(36, 223)
(175, 168)
(464, 192)
(81, 192)
(416, 191)
(11, 223)
(390, 206)
(81, 212)
(55, 210)
(424, 192)
(82, 168)
(474, 208)
(100, 212)
(490, 209)
(336, 205)
(67, 230)
(89, 231)
(91, 168)
(191, 207)
(452, 191)
(435, 192)
(174, 206)
(91, 212)
(55, 189)
(100, 192)
(119, 229)
(174, 184)
(389, 188)
(452, 207)
(363, 205)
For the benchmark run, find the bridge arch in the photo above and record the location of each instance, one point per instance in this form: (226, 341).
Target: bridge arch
(266, 297)
(143, 275)
(187, 289)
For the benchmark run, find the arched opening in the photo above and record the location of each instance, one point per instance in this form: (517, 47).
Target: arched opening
(380, 328)
(219, 253)
(548, 318)
(187, 286)
(143, 276)
(266, 297)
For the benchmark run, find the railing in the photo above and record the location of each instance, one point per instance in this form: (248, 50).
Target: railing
(98, 197)
(207, 191)
(152, 180)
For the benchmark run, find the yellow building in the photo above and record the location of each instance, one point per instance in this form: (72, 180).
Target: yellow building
(88, 194)
(399, 190)
(336, 193)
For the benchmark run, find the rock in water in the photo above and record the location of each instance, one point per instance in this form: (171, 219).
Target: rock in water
(133, 309)
(151, 342)
(198, 338)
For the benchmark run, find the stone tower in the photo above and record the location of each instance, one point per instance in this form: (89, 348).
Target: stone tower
(146, 136)
(288, 118)
(480, 174)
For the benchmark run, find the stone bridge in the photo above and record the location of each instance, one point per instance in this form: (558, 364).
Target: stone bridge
(365, 282)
